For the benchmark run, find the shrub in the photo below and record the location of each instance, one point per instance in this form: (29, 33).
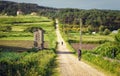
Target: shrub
(118, 56)
(33, 50)
(112, 67)
(90, 29)
(22, 64)
(101, 28)
(31, 29)
(117, 37)
(110, 50)
(106, 32)
(118, 30)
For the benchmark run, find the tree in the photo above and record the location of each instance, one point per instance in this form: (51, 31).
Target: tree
(90, 29)
(117, 37)
(106, 32)
(118, 30)
(101, 29)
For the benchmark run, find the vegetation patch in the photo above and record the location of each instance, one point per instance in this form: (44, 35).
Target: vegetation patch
(17, 55)
(24, 64)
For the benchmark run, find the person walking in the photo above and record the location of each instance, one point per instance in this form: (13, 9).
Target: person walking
(79, 54)
(62, 42)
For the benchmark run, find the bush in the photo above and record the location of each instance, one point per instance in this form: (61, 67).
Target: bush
(112, 67)
(118, 30)
(106, 32)
(118, 56)
(110, 50)
(25, 64)
(90, 29)
(33, 50)
(101, 28)
(1, 35)
(31, 29)
(117, 37)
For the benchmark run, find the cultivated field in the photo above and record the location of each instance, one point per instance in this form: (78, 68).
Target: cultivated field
(18, 57)
(102, 51)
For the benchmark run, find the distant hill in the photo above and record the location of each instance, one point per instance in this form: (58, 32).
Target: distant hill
(10, 8)
(110, 19)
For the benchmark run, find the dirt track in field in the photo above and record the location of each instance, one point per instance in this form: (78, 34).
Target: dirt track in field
(84, 46)
(18, 45)
(69, 64)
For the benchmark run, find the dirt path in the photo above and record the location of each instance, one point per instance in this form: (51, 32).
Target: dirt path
(69, 64)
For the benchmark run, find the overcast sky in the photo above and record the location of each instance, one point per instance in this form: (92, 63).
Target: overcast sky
(81, 4)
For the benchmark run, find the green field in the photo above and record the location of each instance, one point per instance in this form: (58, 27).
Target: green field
(98, 39)
(17, 55)
(105, 56)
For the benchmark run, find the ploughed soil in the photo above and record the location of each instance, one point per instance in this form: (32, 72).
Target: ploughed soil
(17, 45)
(84, 46)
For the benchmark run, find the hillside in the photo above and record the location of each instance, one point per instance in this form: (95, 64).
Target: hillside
(11, 8)
(110, 19)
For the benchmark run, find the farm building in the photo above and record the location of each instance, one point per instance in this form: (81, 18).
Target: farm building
(19, 12)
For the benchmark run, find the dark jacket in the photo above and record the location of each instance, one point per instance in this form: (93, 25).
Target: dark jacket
(79, 52)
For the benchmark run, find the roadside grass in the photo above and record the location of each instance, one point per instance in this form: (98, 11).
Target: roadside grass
(107, 67)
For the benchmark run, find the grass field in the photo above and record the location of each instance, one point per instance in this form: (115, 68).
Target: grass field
(90, 38)
(20, 23)
(29, 61)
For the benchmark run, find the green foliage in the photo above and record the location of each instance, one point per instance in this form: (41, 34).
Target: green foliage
(94, 17)
(118, 56)
(25, 64)
(86, 38)
(111, 67)
(90, 29)
(106, 32)
(117, 37)
(101, 29)
(33, 50)
(15, 34)
(118, 30)
(22, 26)
(32, 29)
(5, 28)
(32, 62)
(111, 50)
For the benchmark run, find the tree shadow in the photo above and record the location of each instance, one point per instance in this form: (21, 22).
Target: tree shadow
(64, 52)
(13, 48)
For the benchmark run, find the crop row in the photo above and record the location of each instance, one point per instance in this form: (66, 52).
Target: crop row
(22, 19)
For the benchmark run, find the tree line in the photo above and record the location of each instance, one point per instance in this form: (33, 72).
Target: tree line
(94, 17)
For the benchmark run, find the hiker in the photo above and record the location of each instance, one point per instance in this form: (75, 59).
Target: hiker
(62, 42)
(79, 54)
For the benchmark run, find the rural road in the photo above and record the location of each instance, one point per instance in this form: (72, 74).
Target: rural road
(69, 64)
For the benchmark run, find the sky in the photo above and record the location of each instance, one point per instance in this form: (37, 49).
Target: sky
(80, 4)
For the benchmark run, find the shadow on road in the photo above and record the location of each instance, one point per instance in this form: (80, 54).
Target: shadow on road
(64, 52)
